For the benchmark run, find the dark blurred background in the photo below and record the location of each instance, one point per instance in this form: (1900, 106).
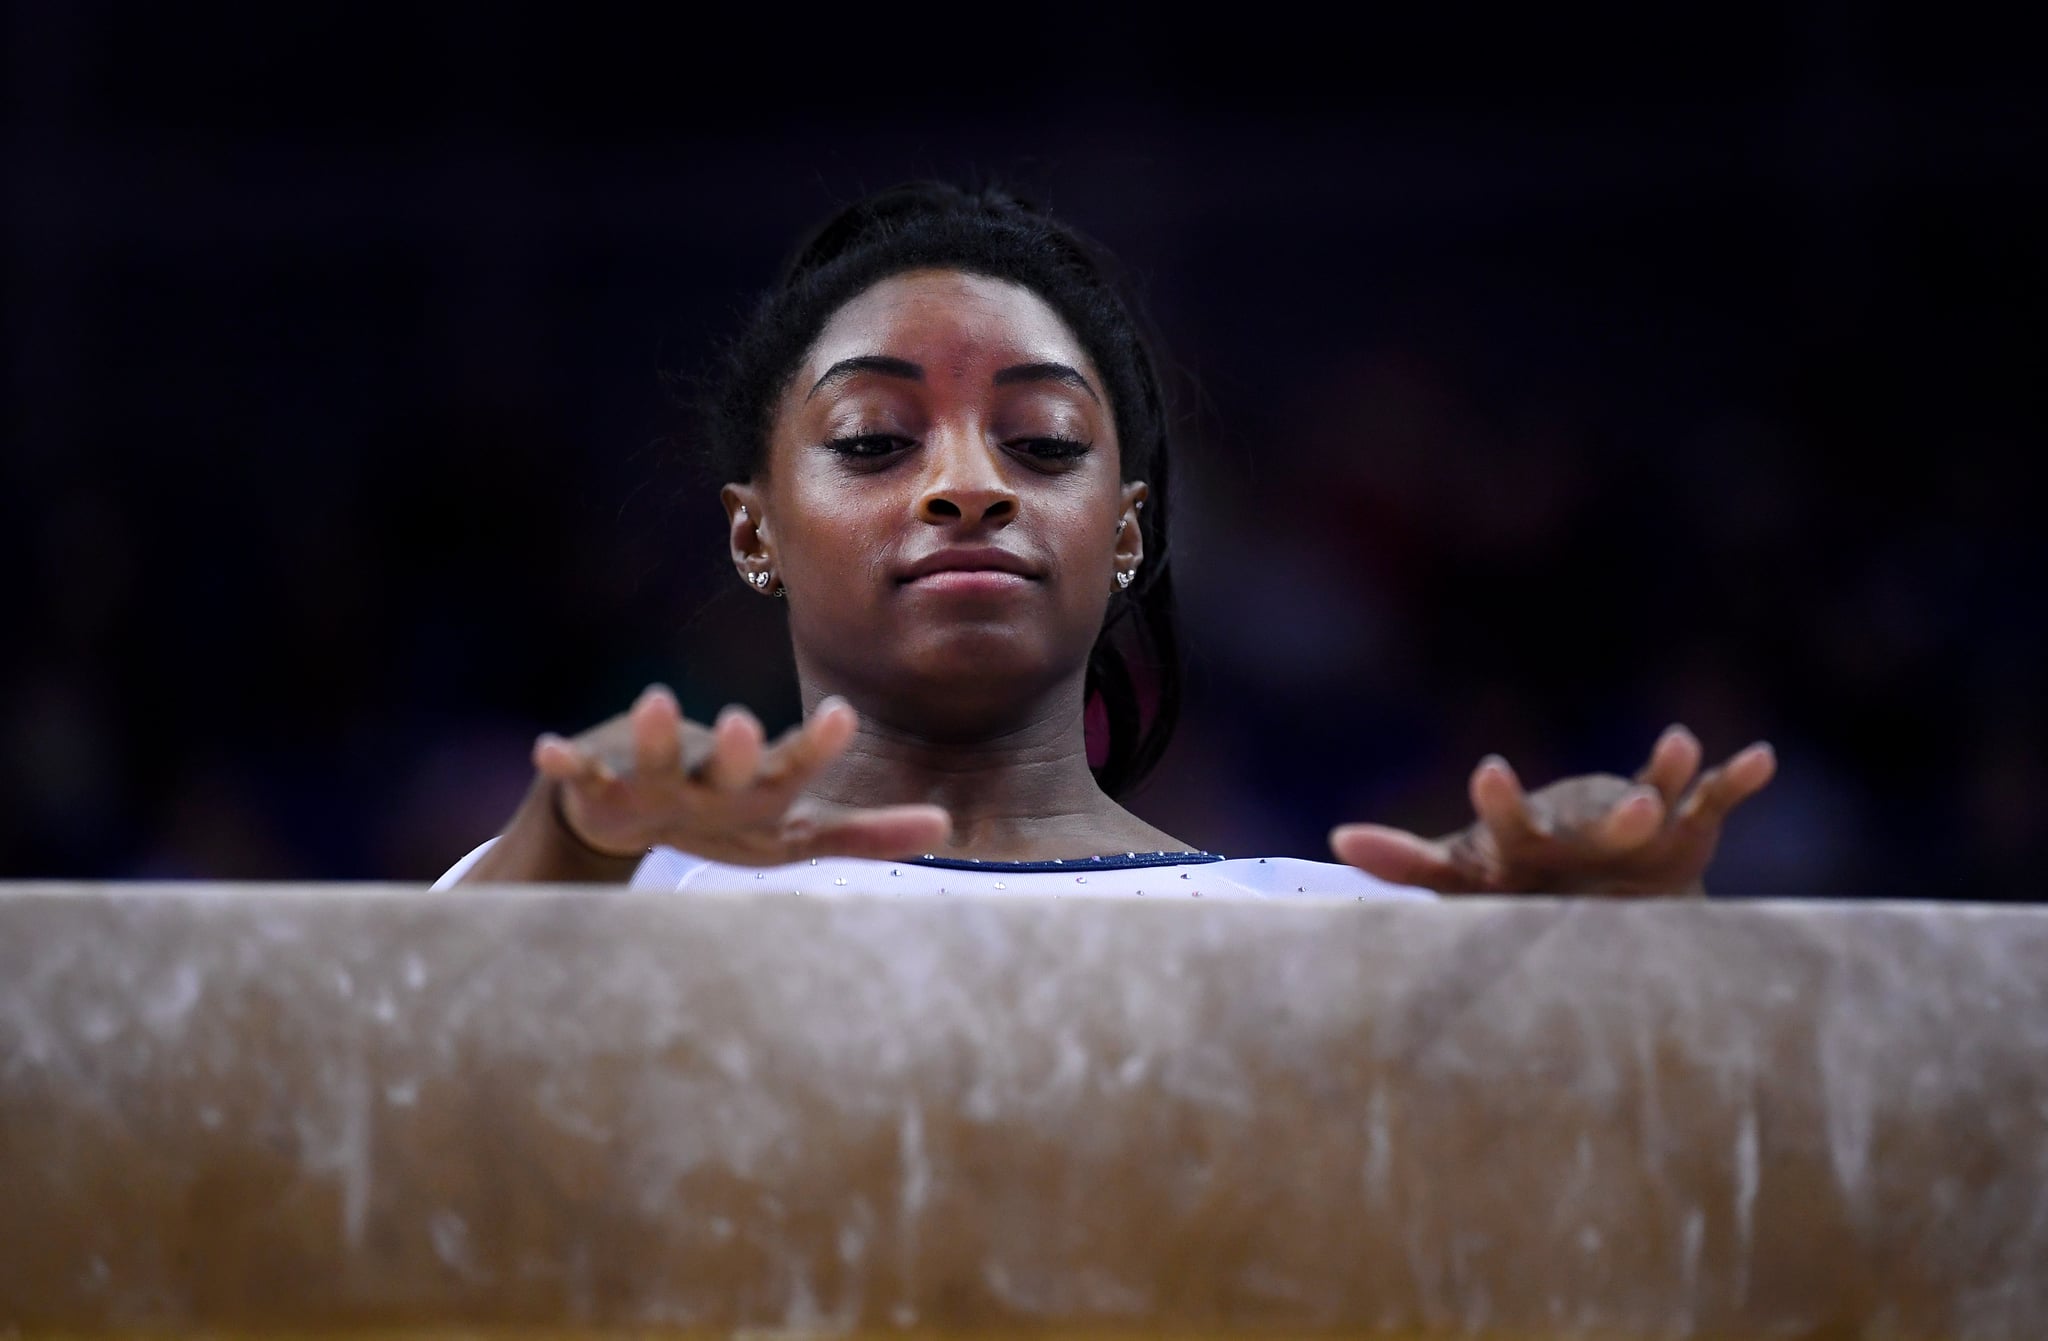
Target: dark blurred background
(1547, 382)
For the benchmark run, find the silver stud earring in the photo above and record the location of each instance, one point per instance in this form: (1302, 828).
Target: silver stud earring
(1121, 523)
(1123, 580)
(760, 580)
(743, 511)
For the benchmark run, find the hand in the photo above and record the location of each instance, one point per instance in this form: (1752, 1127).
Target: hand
(1599, 834)
(649, 776)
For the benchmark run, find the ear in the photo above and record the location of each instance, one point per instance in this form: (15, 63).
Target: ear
(747, 529)
(1130, 537)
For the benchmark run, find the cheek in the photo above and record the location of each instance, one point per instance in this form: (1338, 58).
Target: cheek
(1080, 531)
(839, 529)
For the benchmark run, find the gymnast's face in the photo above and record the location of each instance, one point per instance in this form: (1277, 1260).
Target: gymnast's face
(941, 501)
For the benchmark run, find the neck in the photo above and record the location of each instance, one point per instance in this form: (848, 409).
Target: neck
(1020, 792)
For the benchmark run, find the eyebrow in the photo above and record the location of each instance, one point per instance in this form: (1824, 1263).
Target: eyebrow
(911, 372)
(874, 363)
(1047, 372)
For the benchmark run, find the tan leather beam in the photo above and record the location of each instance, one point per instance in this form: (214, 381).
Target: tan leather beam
(311, 1109)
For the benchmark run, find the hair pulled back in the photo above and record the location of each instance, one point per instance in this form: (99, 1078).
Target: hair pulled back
(1134, 675)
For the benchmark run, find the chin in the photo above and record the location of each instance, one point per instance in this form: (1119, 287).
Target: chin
(974, 652)
(977, 673)
(959, 675)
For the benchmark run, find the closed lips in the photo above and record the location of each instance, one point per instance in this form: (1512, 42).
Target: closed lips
(984, 560)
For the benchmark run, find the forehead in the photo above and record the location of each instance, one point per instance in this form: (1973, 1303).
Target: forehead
(948, 318)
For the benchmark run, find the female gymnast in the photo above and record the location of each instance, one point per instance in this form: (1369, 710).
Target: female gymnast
(949, 456)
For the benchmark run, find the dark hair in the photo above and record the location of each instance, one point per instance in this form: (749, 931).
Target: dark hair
(1134, 669)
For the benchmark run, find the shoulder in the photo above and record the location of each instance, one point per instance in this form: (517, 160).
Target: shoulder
(661, 868)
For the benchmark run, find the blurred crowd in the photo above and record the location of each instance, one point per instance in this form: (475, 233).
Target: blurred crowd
(342, 453)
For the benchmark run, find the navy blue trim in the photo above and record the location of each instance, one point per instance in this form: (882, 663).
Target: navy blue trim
(1118, 861)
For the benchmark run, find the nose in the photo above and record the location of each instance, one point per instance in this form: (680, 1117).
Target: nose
(965, 485)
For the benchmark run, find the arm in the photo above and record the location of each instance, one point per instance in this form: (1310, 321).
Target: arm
(538, 847)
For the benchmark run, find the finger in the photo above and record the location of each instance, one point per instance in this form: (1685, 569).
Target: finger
(559, 758)
(735, 754)
(1630, 822)
(657, 723)
(820, 740)
(1674, 761)
(1721, 789)
(882, 833)
(775, 757)
(1396, 856)
(1502, 805)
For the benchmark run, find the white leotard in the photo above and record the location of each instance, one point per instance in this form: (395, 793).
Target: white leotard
(1160, 875)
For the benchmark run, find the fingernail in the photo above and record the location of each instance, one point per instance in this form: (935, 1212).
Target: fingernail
(829, 702)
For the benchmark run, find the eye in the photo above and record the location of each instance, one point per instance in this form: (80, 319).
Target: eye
(1051, 449)
(867, 445)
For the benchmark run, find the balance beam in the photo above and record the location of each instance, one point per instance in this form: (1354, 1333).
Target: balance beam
(246, 1110)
